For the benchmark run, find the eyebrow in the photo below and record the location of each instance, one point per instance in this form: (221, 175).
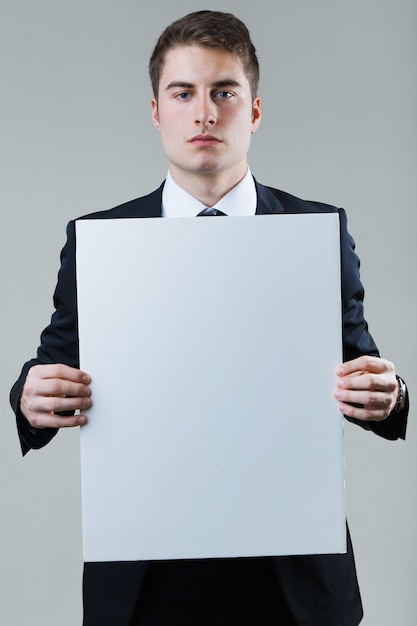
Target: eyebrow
(218, 84)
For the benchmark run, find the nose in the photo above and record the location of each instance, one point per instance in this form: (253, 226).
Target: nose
(205, 113)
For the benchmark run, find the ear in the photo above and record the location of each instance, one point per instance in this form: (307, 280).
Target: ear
(155, 114)
(256, 114)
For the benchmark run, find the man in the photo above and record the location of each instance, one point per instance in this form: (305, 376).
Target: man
(205, 74)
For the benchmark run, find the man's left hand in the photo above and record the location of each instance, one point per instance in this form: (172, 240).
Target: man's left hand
(367, 381)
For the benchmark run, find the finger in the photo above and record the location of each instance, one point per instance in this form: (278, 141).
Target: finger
(363, 413)
(59, 370)
(365, 363)
(368, 381)
(56, 387)
(51, 420)
(54, 404)
(369, 399)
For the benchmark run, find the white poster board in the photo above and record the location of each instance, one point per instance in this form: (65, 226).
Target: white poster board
(212, 346)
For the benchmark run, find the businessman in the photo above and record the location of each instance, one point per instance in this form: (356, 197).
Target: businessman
(205, 107)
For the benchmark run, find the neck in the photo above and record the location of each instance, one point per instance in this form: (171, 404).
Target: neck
(208, 188)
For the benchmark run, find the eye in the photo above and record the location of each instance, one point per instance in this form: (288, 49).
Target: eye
(224, 95)
(184, 95)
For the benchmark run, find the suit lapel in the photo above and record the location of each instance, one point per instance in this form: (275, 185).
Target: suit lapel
(267, 201)
(151, 205)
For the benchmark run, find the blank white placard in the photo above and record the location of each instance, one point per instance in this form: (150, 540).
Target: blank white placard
(212, 346)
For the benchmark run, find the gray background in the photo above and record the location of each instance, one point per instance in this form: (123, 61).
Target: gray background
(339, 105)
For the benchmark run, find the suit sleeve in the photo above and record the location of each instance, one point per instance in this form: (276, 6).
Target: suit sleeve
(357, 340)
(59, 343)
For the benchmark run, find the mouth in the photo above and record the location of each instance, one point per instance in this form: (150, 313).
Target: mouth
(204, 140)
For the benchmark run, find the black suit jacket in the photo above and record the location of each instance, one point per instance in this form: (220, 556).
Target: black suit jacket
(320, 590)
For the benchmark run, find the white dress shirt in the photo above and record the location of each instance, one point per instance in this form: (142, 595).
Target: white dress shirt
(241, 200)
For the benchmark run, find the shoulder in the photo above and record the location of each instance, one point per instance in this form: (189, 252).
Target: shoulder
(290, 203)
(145, 206)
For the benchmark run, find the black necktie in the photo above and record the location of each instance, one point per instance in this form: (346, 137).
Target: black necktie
(211, 211)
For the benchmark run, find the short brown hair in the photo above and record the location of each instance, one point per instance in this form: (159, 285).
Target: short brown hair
(207, 29)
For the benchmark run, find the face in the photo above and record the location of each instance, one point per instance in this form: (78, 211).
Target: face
(205, 114)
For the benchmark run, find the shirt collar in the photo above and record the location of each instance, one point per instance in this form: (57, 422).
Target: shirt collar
(241, 200)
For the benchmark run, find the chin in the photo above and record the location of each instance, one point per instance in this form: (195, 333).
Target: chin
(207, 167)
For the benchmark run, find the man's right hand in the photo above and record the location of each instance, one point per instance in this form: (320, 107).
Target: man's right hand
(50, 389)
